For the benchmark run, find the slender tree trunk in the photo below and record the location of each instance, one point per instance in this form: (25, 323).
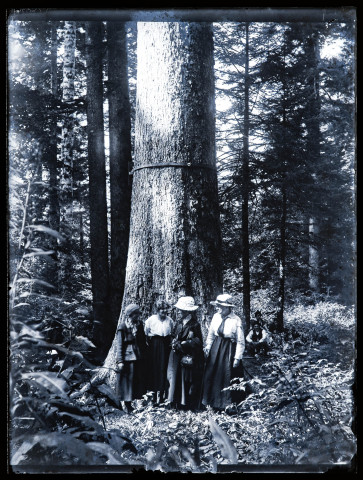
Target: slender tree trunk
(245, 193)
(67, 144)
(120, 161)
(53, 217)
(283, 245)
(282, 264)
(175, 240)
(81, 238)
(313, 148)
(313, 256)
(102, 327)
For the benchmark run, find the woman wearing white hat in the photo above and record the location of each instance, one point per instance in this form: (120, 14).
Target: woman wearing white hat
(185, 365)
(224, 348)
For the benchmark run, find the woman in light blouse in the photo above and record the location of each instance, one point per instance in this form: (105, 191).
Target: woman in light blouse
(158, 330)
(224, 349)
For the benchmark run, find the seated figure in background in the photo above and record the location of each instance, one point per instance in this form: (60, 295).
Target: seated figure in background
(257, 338)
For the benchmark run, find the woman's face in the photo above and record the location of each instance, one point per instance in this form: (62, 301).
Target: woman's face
(224, 310)
(134, 316)
(182, 313)
(162, 312)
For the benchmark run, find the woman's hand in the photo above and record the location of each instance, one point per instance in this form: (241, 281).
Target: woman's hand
(119, 367)
(236, 362)
(176, 346)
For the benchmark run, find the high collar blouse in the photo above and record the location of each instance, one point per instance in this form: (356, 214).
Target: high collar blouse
(155, 326)
(232, 329)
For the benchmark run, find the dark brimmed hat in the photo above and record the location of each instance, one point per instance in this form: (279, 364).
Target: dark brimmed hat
(131, 309)
(224, 300)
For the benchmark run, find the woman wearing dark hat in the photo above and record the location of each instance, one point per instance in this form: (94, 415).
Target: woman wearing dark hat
(130, 357)
(225, 345)
(186, 358)
(158, 330)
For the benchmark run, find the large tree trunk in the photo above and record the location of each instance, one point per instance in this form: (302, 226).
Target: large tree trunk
(246, 193)
(175, 240)
(102, 328)
(120, 161)
(67, 144)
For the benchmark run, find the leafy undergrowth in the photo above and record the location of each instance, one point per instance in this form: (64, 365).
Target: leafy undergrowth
(300, 412)
(299, 409)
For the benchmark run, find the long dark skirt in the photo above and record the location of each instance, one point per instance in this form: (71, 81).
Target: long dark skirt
(218, 374)
(184, 382)
(158, 357)
(131, 381)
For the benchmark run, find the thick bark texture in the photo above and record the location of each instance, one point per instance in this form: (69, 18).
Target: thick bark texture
(175, 241)
(102, 329)
(120, 161)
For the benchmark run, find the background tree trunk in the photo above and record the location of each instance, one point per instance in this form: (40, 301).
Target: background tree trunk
(313, 148)
(246, 193)
(283, 180)
(175, 240)
(67, 144)
(282, 264)
(102, 327)
(53, 216)
(313, 256)
(120, 161)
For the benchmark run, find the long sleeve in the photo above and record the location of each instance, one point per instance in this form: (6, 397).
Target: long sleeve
(147, 327)
(194, 339)
(211, 333)
(240, 347)
(264, 335)
(249, 336)
(119, 353)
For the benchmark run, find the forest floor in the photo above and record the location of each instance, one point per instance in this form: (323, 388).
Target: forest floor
(299, 412)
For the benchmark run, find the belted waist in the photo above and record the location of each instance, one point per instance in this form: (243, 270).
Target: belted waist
(231, 339)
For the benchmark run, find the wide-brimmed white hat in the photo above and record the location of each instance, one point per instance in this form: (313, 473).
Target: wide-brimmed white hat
(186, 303)
(224, 300)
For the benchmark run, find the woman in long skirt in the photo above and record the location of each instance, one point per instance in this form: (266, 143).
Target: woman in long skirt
(130, 357)
(224, 348)
(158, 330)
(186, 358)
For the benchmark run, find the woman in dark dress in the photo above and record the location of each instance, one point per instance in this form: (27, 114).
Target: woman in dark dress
(130, 357)
(185, 366)
(224, 348)
(158, 330)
